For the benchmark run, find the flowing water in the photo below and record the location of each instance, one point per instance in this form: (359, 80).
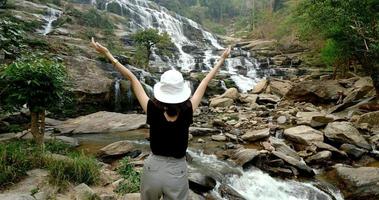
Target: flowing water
(252, 184)
(51, 16)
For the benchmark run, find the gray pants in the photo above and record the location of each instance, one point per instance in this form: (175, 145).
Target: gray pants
(164, 177)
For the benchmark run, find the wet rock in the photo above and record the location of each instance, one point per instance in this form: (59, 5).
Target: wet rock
(243, 156)
(260, 87)
(255, 135)
(193, 196)
(200, 183)
(231, 93)
(345, 132)
(280, 87)
(117, 149)
(16, 197)
(219, 138)
(248, 98)
(268, 98)
(353, 151)
(303, 135)
(72, 142)
(198, 131)
(281, 120)
(315, 91)
(352, 98)
(83, 192)
(102, 122)
(221, 102)
(324, 146)
(228, 192)
(360, 183)
(282, 147)
(132, 196)
(319, 157)
(304, 168)
(371, 118)
(375, 140)
(200, 140)
(313, 119)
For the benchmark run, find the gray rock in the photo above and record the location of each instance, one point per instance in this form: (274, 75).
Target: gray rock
(243, 156)
(200, 183)
(282, 119)
(345, 132)
(248, 98)
(219, 138)
(83, 192)
(221, 102)
(16, 197)
(260, 87)
(198, 131)
(324, 146)
(268, 98)
(319, 157)
(313, 119)
(282, 147)
(102, 122)
(280, 87)
(256, 135)
(353, 151)
(228, 192)
(371, 118)
(303, 135)
(132, 196)
(360, 183)
(73, 142)
(231, 93)
(301, 165)
(117, 148)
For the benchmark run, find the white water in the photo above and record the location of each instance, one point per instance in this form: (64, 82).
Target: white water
(117, 94)
(145, 14)
(52, 15)
(257, 185)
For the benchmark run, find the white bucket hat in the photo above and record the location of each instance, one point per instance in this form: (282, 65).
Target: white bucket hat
(172, 88)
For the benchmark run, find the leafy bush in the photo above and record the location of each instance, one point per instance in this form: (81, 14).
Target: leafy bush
(132, 178)
(94, 18)
(11, 38)
(78, 169)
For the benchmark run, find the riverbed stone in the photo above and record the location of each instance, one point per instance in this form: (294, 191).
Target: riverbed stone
(244, 156)
(345, 132)
(231, 93)
(321, 156)
(281, 146)
(201, 183)
(360, 183)
(117, 149)
(200, 131)
(255, 135)
(221, 102)
(83, 192)
(280, 87)
(301, 165)
(219, 137)
(248, 98)
(371, 118)
(102, 122)
(303, 135)
(72, 142)
(16, 197)
(325, 146)
(313, 119)
(260, 86)
(229, 192)
(131, 196)
(268, 98)
(353, 151)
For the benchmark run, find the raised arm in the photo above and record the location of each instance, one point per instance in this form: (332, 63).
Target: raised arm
(199, 93)
(136, 85)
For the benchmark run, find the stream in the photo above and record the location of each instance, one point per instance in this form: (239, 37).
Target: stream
(252, 184)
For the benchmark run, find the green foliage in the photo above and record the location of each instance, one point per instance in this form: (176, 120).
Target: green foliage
(19, 156)
(14, 128)
(132, 178)
(3, 3)
(331, 52)
(35, 81)
(94, 18)
(11, 38)
(78, 169)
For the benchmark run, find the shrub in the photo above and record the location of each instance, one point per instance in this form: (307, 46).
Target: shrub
(132, 178)
(78, 169)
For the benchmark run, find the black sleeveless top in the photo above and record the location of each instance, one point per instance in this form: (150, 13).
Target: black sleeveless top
(169, 138)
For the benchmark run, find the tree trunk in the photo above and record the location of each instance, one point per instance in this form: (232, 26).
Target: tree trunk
(38, 128)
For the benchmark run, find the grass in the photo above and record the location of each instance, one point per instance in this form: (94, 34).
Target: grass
(19, 156)
(132, 178)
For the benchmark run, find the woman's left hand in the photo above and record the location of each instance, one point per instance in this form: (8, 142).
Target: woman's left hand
(99, 48)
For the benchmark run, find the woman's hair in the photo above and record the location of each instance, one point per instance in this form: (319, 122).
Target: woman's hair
(171, 109)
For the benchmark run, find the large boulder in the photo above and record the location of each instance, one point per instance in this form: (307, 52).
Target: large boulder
(221, 102)
(254, 135)
(200, 183)
(345, 132)
(303, 135)
(117, 149)
(360, 183)
(280, 87)
(301, 165)
(319, 157)
(243, 156)
(313, 119)
(260, 86)
(102, 122)
(83, 192)
(231, 93)
(282, 147)
(315, 91)
(371, 118)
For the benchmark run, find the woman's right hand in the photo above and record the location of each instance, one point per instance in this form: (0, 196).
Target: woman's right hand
(99, 48)
(226, 53)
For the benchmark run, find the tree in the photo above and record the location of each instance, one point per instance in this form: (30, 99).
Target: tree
(149, 39)
(2, 3)
(351, 26)
(37, 82)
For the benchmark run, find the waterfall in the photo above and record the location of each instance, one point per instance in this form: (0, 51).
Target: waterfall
(52, 15)
(117, 94)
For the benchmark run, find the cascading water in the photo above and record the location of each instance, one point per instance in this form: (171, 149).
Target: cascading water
(117, 94)
(145, 14)
(52, 15)
(254, 184)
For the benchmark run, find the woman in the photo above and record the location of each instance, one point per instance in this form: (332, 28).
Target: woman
(169, 115)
